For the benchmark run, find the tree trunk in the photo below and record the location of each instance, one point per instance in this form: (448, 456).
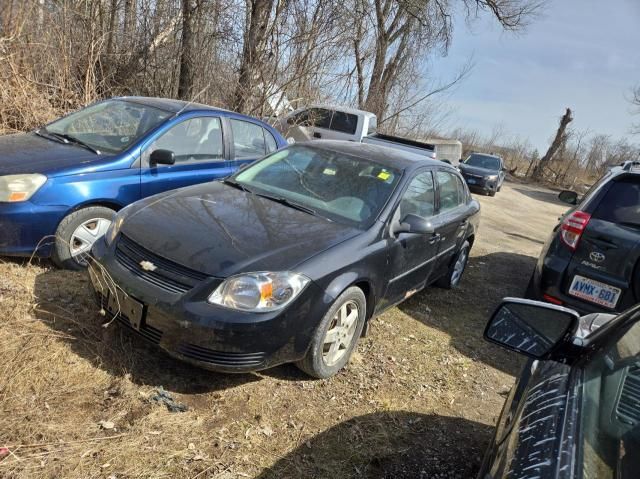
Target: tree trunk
(255, 39)
(555, 144)
(185, 79)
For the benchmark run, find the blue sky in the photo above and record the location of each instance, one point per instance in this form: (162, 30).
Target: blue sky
(582, 54)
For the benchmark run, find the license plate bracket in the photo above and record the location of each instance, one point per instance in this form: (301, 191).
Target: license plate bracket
(127, 307)
(594, 291)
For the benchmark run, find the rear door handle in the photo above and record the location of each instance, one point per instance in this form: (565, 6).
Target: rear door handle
(435, 238)
(317, 135)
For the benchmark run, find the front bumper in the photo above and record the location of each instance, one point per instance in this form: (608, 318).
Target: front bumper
(480, 183)
(189, 328)
(24, 225)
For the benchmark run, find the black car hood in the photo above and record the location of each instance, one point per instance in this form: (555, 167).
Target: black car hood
(25, 153)
(476, 170)
(220, 230)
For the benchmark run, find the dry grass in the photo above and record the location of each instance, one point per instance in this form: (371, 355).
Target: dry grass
(418, 399)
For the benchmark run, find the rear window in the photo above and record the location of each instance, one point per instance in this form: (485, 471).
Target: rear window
(621, 203)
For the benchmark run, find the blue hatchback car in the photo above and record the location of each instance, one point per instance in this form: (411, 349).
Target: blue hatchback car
(60, 185)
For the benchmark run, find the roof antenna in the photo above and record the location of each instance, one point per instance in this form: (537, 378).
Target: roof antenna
(190, 102)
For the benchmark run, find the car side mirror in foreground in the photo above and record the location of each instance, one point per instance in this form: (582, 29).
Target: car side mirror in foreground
(532, 328)
(567, 196)
(414, 224)
(162, 157)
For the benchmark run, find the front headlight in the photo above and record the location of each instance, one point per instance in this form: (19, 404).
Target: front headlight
(259, 292)
(491, 177)
(16, 188)
(116, 224)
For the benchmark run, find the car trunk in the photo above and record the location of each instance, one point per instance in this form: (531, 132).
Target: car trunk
(609, 249)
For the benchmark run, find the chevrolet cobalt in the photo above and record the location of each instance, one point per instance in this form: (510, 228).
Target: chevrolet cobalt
(288, 259)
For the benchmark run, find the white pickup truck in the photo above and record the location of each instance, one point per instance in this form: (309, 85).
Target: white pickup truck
(339, 123)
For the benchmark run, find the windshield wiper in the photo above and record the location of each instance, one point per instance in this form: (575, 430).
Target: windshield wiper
(291, 204)
(237, 185)
(49, 136)
(73, 139)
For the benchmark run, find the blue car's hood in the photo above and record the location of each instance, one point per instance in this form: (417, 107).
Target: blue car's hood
(30, 153)
(476, 170)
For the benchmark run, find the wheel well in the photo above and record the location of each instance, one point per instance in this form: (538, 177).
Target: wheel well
(105, 204)
(366, 288)
(471, 239)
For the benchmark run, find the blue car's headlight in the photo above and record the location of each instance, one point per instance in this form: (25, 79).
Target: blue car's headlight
(491, 177)
(259, 292)
(17, 188)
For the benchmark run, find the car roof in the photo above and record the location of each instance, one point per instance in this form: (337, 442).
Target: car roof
(382, 155)
(345, 109)
(168, 104)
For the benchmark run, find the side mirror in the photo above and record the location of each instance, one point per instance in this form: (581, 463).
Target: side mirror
(162, 157)
(567, 196)
(414, 224)
(531, 328)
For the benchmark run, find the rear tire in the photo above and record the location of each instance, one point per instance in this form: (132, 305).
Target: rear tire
(454, 275)
(77, 233)
(343, 324)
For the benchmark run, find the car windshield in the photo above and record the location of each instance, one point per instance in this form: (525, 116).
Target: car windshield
(337, 186)
(611, 409)
(110, 126)
(483, 161)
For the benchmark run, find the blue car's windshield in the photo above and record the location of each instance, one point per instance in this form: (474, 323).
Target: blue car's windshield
(110, 126)
(334, 185)
(483, 161)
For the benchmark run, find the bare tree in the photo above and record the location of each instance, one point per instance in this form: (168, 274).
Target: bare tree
(555, 144)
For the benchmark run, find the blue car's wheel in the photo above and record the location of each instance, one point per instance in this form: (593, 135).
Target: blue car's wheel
(77, 233)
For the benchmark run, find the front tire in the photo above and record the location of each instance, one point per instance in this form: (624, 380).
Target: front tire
(77, 233)
(452, 279)
(336, 336)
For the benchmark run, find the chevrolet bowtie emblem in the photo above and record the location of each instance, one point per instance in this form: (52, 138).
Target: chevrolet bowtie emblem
(148, 266)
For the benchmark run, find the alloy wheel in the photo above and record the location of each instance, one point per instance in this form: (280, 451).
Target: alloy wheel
(458, 268)
(339, 336)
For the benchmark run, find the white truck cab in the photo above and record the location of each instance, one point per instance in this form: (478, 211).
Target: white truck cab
(327, 122)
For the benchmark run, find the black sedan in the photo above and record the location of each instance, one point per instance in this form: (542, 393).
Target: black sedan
(287, 260)
(574, 413)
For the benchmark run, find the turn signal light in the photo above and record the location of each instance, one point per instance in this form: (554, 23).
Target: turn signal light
(572, 228)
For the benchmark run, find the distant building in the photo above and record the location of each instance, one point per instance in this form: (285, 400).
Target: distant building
(450, 150)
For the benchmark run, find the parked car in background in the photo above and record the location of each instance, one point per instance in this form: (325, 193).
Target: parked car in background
(574, 411)
(69, 177)
(483, 172)
(288, 259)
(590, 261)
(322, 122)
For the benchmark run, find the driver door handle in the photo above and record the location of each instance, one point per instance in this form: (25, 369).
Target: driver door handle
(435, 238)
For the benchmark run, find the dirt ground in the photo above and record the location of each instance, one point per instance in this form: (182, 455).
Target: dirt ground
(418, 400)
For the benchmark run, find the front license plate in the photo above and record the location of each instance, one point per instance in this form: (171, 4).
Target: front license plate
(594, 291)
(471, 181)
(123, 304)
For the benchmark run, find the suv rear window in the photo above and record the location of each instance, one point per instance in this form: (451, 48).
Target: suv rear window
(621, 203)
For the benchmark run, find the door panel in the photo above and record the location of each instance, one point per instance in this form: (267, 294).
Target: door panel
(412, 256)
(451, 221)
(198, 145)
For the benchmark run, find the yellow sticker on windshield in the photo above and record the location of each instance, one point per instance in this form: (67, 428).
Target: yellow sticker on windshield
(384, 175)
(329, 171)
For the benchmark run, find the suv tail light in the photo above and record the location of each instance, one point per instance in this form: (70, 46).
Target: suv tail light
(572, 228)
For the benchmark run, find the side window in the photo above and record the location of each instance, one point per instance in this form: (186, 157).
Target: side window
(448, 184)
(248, 139)
(419, 198)
(320, 118)
(197, 139)
(344, 122)
(270, 141)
